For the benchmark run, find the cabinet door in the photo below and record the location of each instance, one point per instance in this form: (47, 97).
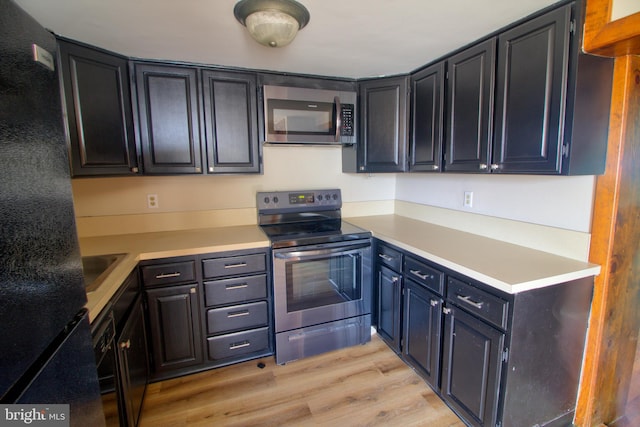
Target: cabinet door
(384, 125)
(470, 86)
(175, 327)
(427, 89)
(134, 363)
(231, 122)
(169, 119)
(532, 75)
(389, 288)
(471, 366)
(98, 109)
(422, 324)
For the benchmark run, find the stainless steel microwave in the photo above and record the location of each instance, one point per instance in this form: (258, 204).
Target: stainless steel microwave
(295, 115)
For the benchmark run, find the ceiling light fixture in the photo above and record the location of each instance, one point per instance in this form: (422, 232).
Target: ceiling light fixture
(273, 23)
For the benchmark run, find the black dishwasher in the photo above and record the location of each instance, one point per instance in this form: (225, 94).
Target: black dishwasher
(120, 347)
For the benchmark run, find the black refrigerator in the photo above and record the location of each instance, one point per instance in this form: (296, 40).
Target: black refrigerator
(46, 351)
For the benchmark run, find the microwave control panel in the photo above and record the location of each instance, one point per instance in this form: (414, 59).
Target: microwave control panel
(346, 118)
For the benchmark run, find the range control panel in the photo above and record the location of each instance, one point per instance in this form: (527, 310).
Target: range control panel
(299, 201)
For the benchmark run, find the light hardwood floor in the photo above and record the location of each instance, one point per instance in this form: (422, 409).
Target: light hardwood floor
(359, 386)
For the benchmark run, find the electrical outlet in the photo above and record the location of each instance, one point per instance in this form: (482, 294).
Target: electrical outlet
(468, 199)
(152, 201)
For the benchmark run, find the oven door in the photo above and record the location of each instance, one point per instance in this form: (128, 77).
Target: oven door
(321, 283)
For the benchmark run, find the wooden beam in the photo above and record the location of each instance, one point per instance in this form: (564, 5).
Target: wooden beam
(610, 38)
(615, 236)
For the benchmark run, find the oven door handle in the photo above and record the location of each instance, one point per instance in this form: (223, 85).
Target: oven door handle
(343, 250)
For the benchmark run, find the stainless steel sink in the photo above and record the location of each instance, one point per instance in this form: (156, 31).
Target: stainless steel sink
(96, 268)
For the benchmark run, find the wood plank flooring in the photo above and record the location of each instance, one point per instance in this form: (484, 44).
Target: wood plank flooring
(365, 385)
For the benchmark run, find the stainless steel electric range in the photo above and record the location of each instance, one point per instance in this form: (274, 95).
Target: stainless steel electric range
(322, 276)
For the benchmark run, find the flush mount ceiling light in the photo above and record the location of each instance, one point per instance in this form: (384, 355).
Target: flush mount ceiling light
(273, 23)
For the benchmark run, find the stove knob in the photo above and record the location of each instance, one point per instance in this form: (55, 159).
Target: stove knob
(266, 200)
(327, 197)
(335, 196)
(319, 196)
(275, 199)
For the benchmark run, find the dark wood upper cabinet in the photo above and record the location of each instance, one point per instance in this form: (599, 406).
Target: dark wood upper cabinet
(427, 102)
(532, 67)
(231, 122)
(470, 86)
(384, 109)
(169, 118)
(552, 100)
(98, 109)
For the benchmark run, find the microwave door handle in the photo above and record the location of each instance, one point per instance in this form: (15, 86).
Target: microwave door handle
(338, 107)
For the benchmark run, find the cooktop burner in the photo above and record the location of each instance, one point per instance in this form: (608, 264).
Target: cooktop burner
(294, 218)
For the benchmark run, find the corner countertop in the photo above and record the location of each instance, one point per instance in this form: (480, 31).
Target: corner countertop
(505, 266)
(144, 246)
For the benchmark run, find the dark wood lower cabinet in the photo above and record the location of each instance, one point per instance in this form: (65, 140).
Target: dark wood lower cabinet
(389, 289)
(134, 363)
(471, 367)
(175, 327)
(497, 359)
(421, 336)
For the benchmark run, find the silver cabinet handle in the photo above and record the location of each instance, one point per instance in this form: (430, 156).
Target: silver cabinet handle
(234, 287)
(469, 301)
(192, 290)
(419, 274)
(483, 166)
(134, 170)
(433, 302)
(446, 310)
(125, 344)
(168, 275)
(238, 314)
(495, 166)
(240, 264)
(435, 167)
(385, 257)
(395, 279)
(238, 345)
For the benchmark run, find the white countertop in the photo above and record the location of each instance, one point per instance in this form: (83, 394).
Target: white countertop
(505, 266)
(508, 267)
(166, 244)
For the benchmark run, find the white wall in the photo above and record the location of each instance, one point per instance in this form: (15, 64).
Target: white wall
(285, 168)
(562, 202)
(622, 8)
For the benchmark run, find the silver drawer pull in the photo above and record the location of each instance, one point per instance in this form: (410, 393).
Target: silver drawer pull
(433, 302)
(238, 345)
(240, 264)
(419, 274)
(168, 275)
(238, 314)
(234, 287)
(385, 257)
(469, 301)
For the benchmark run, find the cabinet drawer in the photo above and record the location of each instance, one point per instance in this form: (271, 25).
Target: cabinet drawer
(237, 317)
(234, 265)
(238, 344)
(238, 289)
(482, 304)
(164, 274)
(424, 274)
(390, 257)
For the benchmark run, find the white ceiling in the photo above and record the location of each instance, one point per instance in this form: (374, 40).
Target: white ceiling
(345, 38)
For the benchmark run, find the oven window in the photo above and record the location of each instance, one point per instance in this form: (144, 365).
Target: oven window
(323, 281)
